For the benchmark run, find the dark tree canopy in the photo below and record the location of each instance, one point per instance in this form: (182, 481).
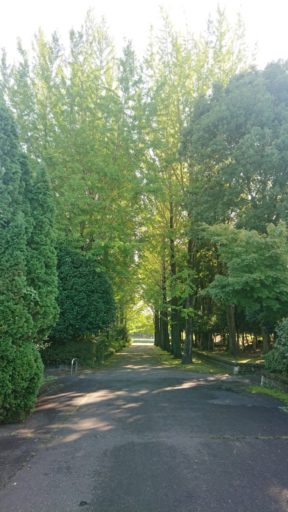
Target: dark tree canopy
(237, 146)
(86, 300)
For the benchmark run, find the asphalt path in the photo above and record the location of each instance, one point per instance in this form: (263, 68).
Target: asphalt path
(139, 437)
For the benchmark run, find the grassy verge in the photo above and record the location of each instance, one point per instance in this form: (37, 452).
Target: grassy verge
(197, 366)
(275, 393)
(240, 358)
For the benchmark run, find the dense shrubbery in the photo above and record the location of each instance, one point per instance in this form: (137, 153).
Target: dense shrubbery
(62, 352)
(87, 312)
(41, 258)
(28, 282)
(85, 301)
(21, 371)
(90, 351)
(277, 359)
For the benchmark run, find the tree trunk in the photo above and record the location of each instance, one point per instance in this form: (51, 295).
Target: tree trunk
(266, 340)
(210, 342)
(187, 349)
(175, 329)
(164, 323)
(255, 342)
(156, 329)
(206, 341)
(175, 320)
(230, 311)
(237, 340)
(164, 331)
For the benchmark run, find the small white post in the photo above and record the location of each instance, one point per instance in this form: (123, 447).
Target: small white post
(236, 370)
(74, 365)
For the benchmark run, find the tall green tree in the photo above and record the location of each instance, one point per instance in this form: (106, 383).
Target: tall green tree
(108, 132)
(41, 263)
(237, 153)
(20, 363)
(179, 69)
(80, 110)
(237, 148)
(254, 277)
(16, 320)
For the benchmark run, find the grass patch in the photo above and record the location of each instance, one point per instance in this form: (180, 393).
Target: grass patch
(197, 366)
(240, 358)
(49, 379)
(275, 393)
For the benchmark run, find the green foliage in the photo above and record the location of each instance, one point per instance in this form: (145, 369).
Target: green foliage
(85, 350)
(277, 359)
(86, 300)
(7, 356)
(27, 275)
(16, 321)
(121, 190)
(21, 373)
(119, 334)
(28, 305)
(140, 319)
(41, 256)
(90, 350)
(122, 121)
(237, 148)
(254, 273)
(274, 393)
(80, 98)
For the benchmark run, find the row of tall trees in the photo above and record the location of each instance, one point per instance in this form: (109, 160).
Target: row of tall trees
(222, 267)
(167, 172)
(75, 112)
(108, 130)
(181, 70)
(236, 149)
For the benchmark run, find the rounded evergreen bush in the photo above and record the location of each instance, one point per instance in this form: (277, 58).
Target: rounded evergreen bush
(21, 374)
(7, 358)
(277, 359)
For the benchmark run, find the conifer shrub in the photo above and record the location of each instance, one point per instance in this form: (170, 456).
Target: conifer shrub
(60, 352)
(90, 351)
(277, 359)
(28, 279)
(21, 373)
(41, 260)
(7, 357)
(85, 300)
(86, 311)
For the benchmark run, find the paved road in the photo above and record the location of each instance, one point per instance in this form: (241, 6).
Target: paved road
(137, 437)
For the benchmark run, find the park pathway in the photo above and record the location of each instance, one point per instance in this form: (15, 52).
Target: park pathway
(140, 437)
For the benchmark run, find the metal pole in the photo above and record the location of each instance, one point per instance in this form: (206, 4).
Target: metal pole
(74, 365)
